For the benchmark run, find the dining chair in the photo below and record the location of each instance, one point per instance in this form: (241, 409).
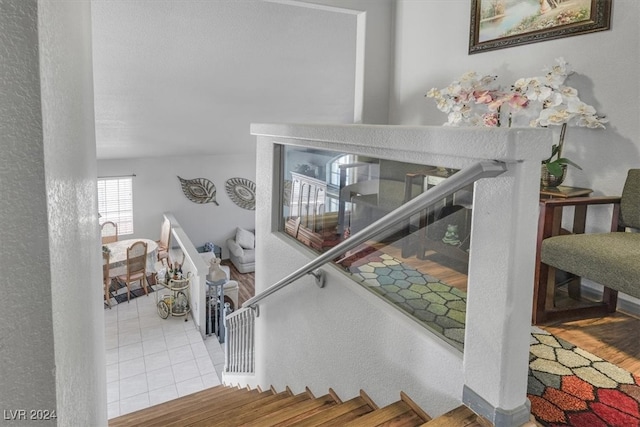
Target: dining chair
(109, 232)
(163, 243)
(106, 278)
(136, 267)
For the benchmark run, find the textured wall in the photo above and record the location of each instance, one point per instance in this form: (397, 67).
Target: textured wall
(51, 340)
(70, 170)
(343, 337)
(27, 364)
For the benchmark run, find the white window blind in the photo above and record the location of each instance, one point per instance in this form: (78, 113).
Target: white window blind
(115, 202)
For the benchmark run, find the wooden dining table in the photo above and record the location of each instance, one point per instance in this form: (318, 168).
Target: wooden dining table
(118, 255)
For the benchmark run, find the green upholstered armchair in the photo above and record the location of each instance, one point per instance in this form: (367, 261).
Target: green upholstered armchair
(610, 259)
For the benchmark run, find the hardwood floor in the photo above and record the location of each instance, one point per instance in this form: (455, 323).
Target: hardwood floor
(246, 282)
(614, 338)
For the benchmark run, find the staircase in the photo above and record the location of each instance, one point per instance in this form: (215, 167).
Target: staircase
(230, 406)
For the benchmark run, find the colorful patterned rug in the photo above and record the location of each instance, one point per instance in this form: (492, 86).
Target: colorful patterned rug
(567, 385)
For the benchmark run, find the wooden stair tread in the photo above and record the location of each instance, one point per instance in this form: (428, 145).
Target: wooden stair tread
(395, 414)
(228, 406)
(356, 406)
(248, 416)
(290, 415)
(461, 416)
(198, 410)
(155, 415)
(215, 414)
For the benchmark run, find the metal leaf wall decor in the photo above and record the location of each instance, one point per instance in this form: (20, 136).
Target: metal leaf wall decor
(199, 190)
(242, 192)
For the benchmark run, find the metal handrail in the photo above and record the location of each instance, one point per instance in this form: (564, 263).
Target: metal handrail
(433, 195)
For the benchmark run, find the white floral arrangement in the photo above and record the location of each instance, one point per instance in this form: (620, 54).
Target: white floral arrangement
(543, 100)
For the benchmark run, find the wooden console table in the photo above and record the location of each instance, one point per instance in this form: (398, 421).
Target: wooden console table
(550, 224)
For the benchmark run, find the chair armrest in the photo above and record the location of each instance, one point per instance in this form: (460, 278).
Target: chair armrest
(235, 248)
(551, 213)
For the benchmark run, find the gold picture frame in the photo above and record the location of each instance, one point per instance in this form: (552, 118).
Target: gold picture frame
(499, 24)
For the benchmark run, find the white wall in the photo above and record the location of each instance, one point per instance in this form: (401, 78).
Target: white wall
(344, 337)
(378, 54)
(156, 189)
(431, 51)
(52, 348)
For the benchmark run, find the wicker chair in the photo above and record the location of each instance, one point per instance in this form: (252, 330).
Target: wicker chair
(109, 232)
(106, 278)
(610, 259)
(163, 243)
(136, 267)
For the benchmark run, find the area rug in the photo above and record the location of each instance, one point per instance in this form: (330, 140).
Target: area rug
(567, 386)
(118, 292)
(571, 387)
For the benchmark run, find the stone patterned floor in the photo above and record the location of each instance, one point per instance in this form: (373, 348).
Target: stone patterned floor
(439, 306)
(567, 386)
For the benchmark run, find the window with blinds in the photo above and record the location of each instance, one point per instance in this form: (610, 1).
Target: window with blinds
(115, 202)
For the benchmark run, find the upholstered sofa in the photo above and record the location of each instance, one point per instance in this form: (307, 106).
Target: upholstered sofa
(242, 250)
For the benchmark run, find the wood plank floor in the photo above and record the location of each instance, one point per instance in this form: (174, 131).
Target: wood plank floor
(614, 338)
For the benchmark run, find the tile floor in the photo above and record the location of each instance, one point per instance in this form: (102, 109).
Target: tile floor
(151, 360)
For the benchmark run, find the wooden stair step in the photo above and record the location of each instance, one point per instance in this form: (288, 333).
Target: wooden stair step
(339, 414)
(294, 413)
(461, 416)
(249, 416)
(197, 412)
(396, 414)
(156, 415)
(247, 412)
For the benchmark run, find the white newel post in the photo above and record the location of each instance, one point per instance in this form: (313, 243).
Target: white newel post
(500, 293)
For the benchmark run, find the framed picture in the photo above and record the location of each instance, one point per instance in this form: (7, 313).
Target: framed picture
(498, 24)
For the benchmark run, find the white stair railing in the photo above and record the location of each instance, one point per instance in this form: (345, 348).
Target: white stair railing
(239, 341)
(239, 338)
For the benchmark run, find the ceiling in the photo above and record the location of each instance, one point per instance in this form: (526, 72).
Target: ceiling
(187, 77)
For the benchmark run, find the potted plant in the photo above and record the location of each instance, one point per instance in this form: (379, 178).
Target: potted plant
(543, 101)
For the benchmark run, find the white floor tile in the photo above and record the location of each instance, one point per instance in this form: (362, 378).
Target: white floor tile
(216, 355)
(180, 354)
(113, 373)
(152, 333)
(130, 351)
(163, 394)
(113, 410)
(211, 380)
(150, 360)
(194, 336)
(189, 386)
(157, 361)
(154, 346)
(133, 386)
(205, 366)
(113, 392)
(131, 368)
(185, 370)
(176, 339)
(134, 403)
(111, 342)
(199, 350)
(160, 378)
(129, 337)
(112, 356)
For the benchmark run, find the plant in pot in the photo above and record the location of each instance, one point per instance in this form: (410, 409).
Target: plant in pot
(540, 101)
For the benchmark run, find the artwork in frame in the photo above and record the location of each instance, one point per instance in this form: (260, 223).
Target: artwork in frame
(498, 24)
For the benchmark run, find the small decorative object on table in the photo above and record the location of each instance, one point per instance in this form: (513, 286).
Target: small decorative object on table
(540, 101)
